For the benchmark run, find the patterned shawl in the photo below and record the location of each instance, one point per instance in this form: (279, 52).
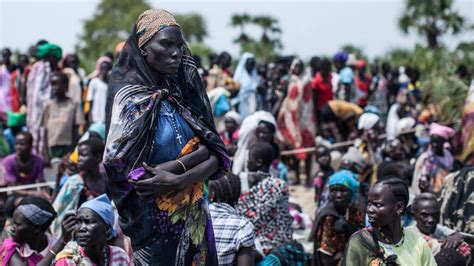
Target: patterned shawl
(132, 109)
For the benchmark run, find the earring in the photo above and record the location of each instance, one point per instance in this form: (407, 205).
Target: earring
(143, 52)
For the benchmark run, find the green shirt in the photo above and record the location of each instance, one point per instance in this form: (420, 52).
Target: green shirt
(412, 251)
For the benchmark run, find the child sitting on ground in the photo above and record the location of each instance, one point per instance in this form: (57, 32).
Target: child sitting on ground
(234, 233)
(266, 203)
(321, 191)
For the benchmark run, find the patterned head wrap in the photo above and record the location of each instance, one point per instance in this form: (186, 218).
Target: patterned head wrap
(347, 179)
(150, 22)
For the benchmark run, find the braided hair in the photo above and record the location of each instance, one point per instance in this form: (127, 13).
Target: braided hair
(226, 189)
(398, 188)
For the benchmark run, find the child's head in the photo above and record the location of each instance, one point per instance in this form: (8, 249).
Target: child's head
(402, 170)
(226, 189)
(449, 256)
(323, 156)
(261, 156)
(59, 84)
(23, 143)
(31, 219)
(90, 154)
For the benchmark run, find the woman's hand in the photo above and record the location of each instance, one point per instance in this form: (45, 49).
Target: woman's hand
(155, 182)
(68, 226)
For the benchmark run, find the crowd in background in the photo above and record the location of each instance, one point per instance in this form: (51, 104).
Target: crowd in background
(390, 183)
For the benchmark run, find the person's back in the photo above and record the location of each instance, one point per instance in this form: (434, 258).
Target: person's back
(233, 232)
(266, 204)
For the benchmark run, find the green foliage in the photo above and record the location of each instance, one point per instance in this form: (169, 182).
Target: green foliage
(447, 93)
(193, 25)
(352, 49)
(201, 49)
(431, 18)
(267, 45)
(440, 86)
(111, 23)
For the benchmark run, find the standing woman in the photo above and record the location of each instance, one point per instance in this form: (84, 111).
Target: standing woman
(247, 77)
(386, 242)
(157, 113)
(296, 120)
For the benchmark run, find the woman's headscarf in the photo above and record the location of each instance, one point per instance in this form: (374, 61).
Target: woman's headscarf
(99, 61)
(248, 82)
(354, 156)
(133, 101)
(152, 21)
(367, 121)
(49, 49)
(103, 207)
(442, 131)
(37, 210)
(347, 179)
(247, 135)
(234, 116)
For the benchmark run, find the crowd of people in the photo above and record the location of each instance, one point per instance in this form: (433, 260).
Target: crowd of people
(160, 160)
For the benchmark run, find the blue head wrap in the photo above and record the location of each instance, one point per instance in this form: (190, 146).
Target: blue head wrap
(103, 207)
(98, 128)
(340, 57)
(345, 178)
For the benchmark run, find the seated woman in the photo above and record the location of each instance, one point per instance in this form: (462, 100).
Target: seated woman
(30, 244)
(85, 185)
(436, 163)
(94, 226)
(266, 204)
(426, 211)
(230, 135)
(234, 233)
(323, 158)
(248, 135)
(337, 220)
(386, 241)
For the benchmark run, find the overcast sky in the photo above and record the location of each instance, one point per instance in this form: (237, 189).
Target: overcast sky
(309, 27)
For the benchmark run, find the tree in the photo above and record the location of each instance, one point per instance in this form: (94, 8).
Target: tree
(111, 23)
(193, 25)
(241, 21)
(269, 42)
(432, 19)
(352, 49)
